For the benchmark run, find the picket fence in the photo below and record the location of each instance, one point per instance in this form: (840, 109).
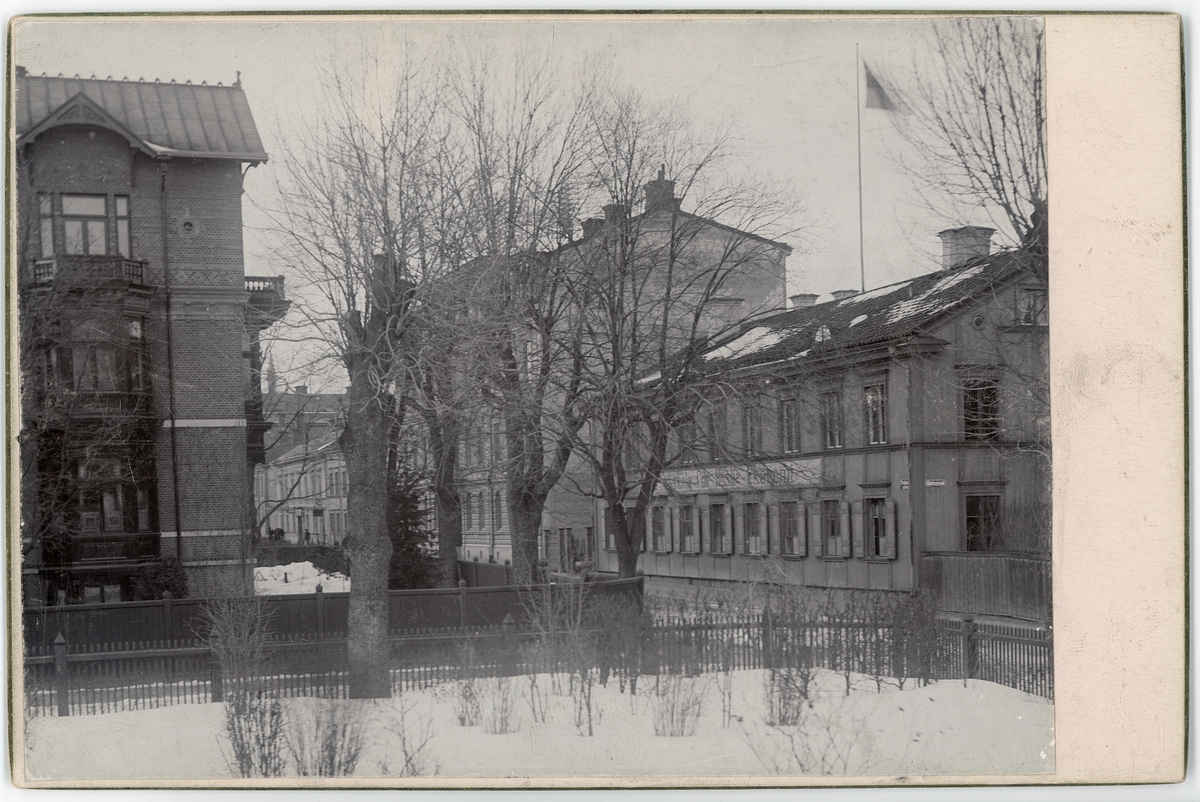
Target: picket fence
(90, 678)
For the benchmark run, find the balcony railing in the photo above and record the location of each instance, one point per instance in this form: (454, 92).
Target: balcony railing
(265, 284)
(107, 549)
(989, 583)
(83, 270)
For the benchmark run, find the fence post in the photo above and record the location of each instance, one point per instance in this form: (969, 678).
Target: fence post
(320, 610)
(167, 629)
(508, 630)
(970, 650)
(462, 603)
(214, 673)
(768, 639)
(62, 680)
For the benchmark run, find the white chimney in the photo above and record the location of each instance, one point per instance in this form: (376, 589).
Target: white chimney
(803, 299)
(961, 245)
(840, 294)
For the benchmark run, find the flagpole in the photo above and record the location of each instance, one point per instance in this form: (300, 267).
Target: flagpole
(862, 263)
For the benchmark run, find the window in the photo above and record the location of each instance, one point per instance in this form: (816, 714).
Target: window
(497, 442)
(831, 529)
(121, 207)
(716, 432)
(687, 529)
(610, 537)
(875, 408)
(544, 543)
(658, 529)
(84, 223)
(566, 550)
(497, 510)
(466, 511)
(687, 443)
(879, 529)
(589, 543)
(831, 419)
(790, 529)
(109, 500)
(46, 216)
(752, 428)
(789, 426)
(753, 529)
(717, 529)
(983, 523)
(981, 409)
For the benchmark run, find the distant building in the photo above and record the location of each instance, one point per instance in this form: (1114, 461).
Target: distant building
(888, 440)
(302, 493)
(752, 272)
(139, 334)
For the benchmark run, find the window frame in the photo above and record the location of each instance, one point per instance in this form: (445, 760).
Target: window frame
(789, 426)
(875, 412)
(659, 524)
(833, 421)
(688, 540)
(995, 537)
(753, 536)
(752, 429)
(719, 537)
(798, 520)
(980, 415)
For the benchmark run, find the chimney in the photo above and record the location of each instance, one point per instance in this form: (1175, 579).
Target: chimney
(841, 294)
(301, 389)
(961, 245)
(592, 225)
(22, 72)
(660, 194)
(615, 213)
(803, 299)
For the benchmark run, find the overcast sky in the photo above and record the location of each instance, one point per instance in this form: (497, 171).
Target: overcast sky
(785, 86)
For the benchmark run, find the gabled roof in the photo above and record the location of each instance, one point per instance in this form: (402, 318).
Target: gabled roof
(161, 119)
(894, 312)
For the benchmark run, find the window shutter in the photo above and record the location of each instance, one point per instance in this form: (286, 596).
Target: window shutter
(856, 529)
(702, 513)
(729, 548)
(814, 528)
(844, 509)
(740, 517)
(802, 529)
(889, 544)
(670, 524)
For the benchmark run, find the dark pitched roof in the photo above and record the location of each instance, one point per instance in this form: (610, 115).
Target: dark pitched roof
(163, 119)
(896, 311)
(707, 221)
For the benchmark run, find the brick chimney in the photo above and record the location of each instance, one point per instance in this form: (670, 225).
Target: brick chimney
(591, 226)
(301, 389)
(615, 213)
(840, 294)
(660, 194)
(803, 299)
(961, 245)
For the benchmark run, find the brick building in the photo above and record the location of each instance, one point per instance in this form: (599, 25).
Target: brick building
(139, 334)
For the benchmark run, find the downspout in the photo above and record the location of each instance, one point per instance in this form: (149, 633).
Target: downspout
(162, 194)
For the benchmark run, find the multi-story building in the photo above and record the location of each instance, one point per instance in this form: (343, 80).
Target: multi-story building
(887, 440)
(139, 334)
(672, 263)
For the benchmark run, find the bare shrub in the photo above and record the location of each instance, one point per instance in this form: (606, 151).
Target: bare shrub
(677, 704)
(536, 695)
(828, 738)
(466, 698)
(326, 736)
(237, 631)
(499, 702)
(623, 630)
(413, 733)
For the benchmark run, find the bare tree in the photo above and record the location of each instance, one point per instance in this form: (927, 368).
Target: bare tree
(654, 289)
(360, 221)
(975, 115)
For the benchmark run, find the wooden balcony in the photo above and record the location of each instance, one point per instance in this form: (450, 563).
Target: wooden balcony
(83, 271)
(989, 583)
(101, 552)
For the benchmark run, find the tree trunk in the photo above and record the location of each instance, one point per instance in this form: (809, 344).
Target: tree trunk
(629, 545)
(449, 533)
(525, 519)
(364, 442)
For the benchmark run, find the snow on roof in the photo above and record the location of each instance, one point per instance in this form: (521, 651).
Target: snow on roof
(907, 308)
(756, 339)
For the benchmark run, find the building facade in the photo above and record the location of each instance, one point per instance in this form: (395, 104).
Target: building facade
(139, 334)
(886, 440)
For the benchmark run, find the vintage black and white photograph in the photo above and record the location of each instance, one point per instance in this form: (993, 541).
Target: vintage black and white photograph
(454, 398)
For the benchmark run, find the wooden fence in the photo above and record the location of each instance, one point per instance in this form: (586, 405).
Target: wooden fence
(80, 679)
(299, 614)
(988, 583)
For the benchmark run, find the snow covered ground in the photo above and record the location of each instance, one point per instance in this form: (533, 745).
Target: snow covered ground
(943, 728)
(296, 578)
